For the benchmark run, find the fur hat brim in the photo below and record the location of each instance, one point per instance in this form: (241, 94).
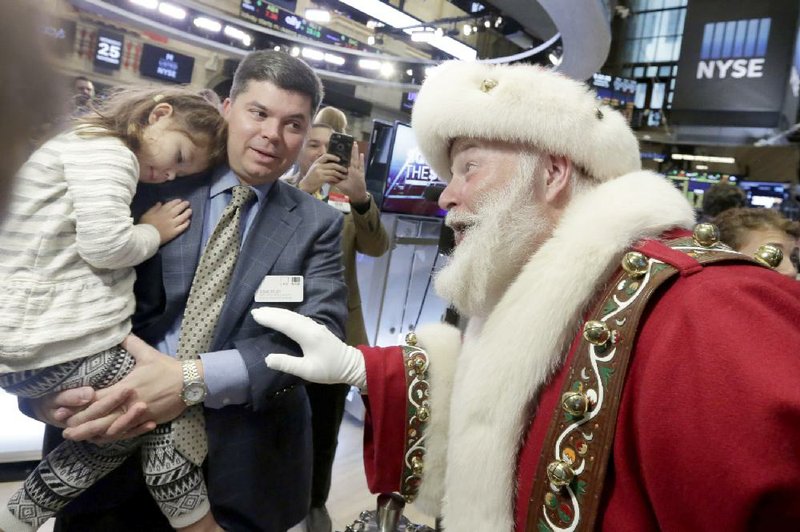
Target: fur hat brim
(522, 104)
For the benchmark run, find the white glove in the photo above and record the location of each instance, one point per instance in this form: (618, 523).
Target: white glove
(325, 360)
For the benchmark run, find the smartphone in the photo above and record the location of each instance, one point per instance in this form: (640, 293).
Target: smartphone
(341, 145)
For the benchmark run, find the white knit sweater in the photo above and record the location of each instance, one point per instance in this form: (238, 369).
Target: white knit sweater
(67, 248)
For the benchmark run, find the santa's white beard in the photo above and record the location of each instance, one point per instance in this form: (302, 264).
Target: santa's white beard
(508, 228)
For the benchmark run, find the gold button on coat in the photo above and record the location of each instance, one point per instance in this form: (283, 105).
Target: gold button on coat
(634, 263)
(596, 332)
(575, 403)
(559, 473)
(706, 234)
(769, 255)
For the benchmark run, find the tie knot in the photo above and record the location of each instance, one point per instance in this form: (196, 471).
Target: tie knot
(241, 195)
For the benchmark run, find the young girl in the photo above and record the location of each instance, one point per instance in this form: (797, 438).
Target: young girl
(69, 245)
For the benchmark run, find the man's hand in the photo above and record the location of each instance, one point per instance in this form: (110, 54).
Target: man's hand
(326, 359)
(56, 408)
(355, 186)
(326, 169)
(170, 218)
(154, 386)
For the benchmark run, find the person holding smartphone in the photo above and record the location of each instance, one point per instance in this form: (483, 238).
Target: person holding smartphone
(338, 179)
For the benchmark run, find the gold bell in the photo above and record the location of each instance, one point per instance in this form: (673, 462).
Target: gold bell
(559, 473)
(706, 234)
(596, 332)
(575, 403)
(411, 339)
(769, 255)
(417, 466)
(488, 84)
(634, 263)
(423, 414)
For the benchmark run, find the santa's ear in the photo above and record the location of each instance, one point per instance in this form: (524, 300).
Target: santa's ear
(558, 173)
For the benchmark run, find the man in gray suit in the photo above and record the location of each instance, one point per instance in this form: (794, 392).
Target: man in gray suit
(257, 420)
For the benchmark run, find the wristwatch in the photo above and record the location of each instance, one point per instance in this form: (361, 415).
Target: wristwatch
(194, 388)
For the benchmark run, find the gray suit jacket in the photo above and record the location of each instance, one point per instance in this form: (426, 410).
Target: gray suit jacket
(259, 462)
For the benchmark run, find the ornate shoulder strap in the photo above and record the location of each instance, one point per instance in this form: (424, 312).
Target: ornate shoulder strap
(566, 491)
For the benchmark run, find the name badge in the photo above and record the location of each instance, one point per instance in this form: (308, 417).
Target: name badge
(280, 289)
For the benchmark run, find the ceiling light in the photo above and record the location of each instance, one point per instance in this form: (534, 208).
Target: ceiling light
(172, 11)
(277, 48)
(147, 4)
(467, 30)
(313, 54)
(498, 22)
(487, 23)
(371, 40)
(318, 15)
(701, 166)
(424, 35)
(397, 19)
(334, 59)
(703, 158)
(295, 51)
(236, 33)
(474, 29)
(369, 64)
(208, 24)
(409, 72)
(387, 70)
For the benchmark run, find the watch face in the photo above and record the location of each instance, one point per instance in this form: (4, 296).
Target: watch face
(194, 393)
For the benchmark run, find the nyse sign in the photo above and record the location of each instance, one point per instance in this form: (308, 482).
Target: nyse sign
(734, 68)
(735, 49)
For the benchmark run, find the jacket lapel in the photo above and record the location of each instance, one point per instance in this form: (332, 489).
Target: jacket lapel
(180, 257)
(272, 229)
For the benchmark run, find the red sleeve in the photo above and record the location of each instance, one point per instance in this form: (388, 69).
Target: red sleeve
(385, 420)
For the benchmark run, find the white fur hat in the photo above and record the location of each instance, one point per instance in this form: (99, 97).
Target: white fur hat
(522, 104)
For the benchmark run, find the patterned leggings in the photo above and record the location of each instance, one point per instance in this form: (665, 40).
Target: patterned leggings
(175, 483)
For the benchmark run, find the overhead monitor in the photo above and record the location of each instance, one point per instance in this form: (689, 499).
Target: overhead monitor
(108, 51)
(166, 65)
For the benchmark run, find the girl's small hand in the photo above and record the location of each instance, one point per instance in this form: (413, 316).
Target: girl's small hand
(170, 218)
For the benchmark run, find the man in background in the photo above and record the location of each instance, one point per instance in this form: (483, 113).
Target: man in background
(83, 95)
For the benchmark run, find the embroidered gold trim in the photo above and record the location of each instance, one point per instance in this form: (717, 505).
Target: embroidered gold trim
(418, 414)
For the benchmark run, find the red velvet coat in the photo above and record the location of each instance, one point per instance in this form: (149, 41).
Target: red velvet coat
(708, 432)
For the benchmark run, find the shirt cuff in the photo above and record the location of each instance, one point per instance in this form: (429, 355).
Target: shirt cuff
(226, 378)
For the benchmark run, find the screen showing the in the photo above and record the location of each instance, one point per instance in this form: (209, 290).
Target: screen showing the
(409, 177)
(166, 65)
(764, 194)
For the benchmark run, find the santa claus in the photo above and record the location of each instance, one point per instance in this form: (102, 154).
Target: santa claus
(617, 372)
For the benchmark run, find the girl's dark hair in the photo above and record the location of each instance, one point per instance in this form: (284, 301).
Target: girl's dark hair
(125, 114)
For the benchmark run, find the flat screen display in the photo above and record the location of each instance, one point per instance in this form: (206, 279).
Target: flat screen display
(108, 52)
(764, 194)
(165, 65)
(409, 177)
(378, 156)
